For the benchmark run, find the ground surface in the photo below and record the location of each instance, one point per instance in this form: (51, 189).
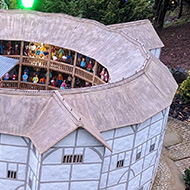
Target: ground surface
(176, 38)
(176, 52)
(175, 156)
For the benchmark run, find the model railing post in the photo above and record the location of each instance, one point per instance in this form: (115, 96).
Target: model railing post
(95, 72)
(48, 65)
(20, 63)
(73, 74)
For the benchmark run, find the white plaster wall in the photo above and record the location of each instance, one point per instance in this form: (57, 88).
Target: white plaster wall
(6, 184)
(54, 186)
(98, 170)
(126, 143)
(55, 173)
(13, 156)
(86, 175)
(34, 163)
(84, 185)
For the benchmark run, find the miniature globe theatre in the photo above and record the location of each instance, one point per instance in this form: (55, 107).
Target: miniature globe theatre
(106, 136)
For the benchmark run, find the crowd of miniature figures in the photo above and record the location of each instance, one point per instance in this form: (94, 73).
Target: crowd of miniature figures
(62, 81)
(11, 49)
(39, 76)
(41, 51)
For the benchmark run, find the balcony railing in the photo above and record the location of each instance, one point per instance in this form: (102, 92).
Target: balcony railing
(26, 85)
(30, 61)
(84, 74)
(32, 86)
(98, 81)
(10, 84)
(54, 65)
(59, 66)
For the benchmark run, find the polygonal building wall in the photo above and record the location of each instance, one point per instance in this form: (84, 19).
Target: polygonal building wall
(131, 165)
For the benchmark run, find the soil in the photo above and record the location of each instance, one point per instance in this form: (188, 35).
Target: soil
(179, 110)
(176, 53)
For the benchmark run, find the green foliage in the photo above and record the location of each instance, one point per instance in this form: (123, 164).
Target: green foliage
(186, 177)
(3, 5)
(184, 90)
(107, 12)
(55, 6)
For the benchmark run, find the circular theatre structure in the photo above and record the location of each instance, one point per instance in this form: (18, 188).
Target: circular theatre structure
(85, 107)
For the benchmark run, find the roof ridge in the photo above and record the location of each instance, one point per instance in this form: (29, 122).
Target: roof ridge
(68, 108)
(39, 116)
(136, 22)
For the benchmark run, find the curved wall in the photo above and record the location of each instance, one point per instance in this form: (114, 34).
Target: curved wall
(98, 169)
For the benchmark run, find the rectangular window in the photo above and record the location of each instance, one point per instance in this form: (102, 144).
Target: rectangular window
(152, 147)
(11, 174)
(138, 156)
(120, 163)
(73, 159)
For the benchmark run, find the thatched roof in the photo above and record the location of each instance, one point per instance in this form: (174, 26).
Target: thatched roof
(141, 85)
(45, 118)
(122, 55)
(141, 30)
(127, 102)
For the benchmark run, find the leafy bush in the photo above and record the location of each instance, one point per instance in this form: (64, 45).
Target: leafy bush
(184, 90)
(186, 178)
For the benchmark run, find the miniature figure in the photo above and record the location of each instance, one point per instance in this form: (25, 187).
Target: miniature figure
(106, 76)
(38, 51)
(6, 76)
(14, 76)
(55, 57)
(59, 79)
(42, 80)
(64, 58)
(61, 51)
(33, 50)
(35, 79)
(26, 51)
(83, 63)
(9, 47)
(16, 50)
(42, 50)
(102, 74)
(1, 47)
(63, 85)
(89, 68)
(25, 77)
(53, 82)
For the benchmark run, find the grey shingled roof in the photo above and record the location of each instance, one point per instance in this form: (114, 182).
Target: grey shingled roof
(141, 30)
(141, 86)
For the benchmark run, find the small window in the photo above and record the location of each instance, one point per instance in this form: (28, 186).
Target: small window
(30, 183)
(141, 188)
(138, 156)
(152, 147)
(120, 163)
(73, 159)
(11, 174)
